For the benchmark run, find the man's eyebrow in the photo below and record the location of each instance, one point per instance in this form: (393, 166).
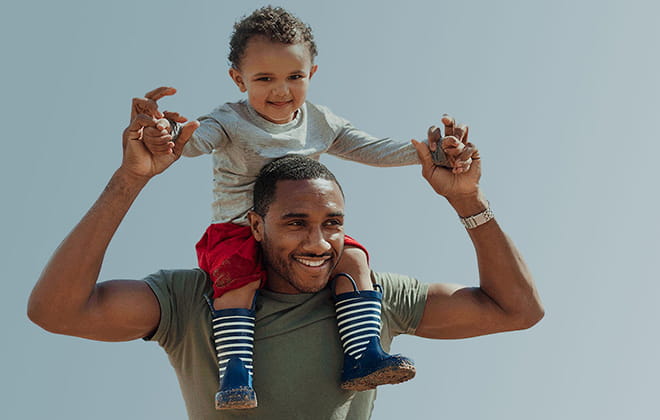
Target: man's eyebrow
(305, 215)
(295, 216)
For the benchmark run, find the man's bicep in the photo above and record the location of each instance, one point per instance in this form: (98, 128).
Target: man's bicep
(121, 310)
(454, 311)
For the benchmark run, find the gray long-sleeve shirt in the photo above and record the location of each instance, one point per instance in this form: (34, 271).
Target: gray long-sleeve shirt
(241, 142)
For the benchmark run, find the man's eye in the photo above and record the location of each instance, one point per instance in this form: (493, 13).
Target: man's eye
(296, 223)
(334, 222)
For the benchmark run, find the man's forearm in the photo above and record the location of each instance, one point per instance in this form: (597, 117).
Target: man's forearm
(504, 276)
(68, 280)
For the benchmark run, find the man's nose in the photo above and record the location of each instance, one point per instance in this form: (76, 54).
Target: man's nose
(316, 242)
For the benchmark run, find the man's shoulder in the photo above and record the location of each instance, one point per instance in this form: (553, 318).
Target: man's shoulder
(404, 300)
(393, 281)
(178, 281)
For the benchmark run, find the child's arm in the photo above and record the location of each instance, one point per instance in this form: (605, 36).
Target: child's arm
(356, 145)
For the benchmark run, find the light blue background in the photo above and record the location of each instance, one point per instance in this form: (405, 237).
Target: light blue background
(561, 96)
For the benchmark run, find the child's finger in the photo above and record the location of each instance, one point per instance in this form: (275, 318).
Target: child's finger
(184, 135)
(163, 124)
(434, 136)
(423, 152)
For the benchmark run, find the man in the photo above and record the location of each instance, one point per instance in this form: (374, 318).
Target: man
(299, 227)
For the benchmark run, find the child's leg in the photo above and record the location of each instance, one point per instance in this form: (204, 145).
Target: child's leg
(358, 306)
(237, 298)
(233, 337)
(354, 262)
(230, 256)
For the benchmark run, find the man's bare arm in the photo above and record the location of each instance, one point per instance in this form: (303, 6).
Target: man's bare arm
(506, 298)
(67, 298)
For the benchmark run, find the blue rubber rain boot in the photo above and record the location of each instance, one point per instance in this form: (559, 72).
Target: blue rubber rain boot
(233, 334)
(366, 364)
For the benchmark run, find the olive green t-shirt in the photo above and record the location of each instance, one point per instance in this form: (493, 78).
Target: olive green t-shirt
(297, 352)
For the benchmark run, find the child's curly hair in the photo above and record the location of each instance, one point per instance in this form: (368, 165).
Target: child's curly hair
(276, 24)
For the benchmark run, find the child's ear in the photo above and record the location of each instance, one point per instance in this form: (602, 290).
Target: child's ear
(313, 70)
(256, 225)
(237, 78)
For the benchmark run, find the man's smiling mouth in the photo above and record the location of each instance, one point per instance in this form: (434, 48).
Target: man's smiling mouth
(312, 262)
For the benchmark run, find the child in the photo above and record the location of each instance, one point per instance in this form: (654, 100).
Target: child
(271, 57)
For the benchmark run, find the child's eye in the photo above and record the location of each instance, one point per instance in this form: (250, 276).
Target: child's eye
(263, 79)
(296, 77)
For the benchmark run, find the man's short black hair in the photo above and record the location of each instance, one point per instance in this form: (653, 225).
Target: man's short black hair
(274, 23)
(287, 168)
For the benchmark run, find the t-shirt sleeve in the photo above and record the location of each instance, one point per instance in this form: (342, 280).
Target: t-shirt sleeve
(211, 134)
(356, 145)
(178, 293)
(404, 299)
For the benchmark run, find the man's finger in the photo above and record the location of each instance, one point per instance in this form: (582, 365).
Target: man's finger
(160, 92)
(175, 116)
(145, 106)
(450, 143)
(461, 131)
(465, 160)
(134, 129)
(449, 125)
(184, 135)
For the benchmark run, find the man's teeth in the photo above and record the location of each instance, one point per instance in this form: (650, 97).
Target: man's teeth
(311, 263)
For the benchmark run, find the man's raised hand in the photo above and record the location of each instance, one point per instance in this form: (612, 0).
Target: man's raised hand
(448, 150)
(138, 160)
(157, 138)
(462, 179)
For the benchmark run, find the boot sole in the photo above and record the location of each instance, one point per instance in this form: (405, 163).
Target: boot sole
(239, 398)
(389, 375)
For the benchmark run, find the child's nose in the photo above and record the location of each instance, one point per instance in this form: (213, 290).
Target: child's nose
(281, 89)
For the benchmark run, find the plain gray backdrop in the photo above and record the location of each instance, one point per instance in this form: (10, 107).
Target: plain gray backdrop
(561, 97)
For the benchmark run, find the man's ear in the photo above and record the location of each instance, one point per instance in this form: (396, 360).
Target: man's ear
(237, 78)
(313, 70)
(256, 225)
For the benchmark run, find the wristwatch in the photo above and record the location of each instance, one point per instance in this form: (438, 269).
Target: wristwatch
(478, 219)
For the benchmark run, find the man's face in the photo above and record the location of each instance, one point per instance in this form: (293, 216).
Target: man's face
(275, 76)
(302, 235)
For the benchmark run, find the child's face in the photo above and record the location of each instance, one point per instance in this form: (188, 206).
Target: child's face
(275, 76)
